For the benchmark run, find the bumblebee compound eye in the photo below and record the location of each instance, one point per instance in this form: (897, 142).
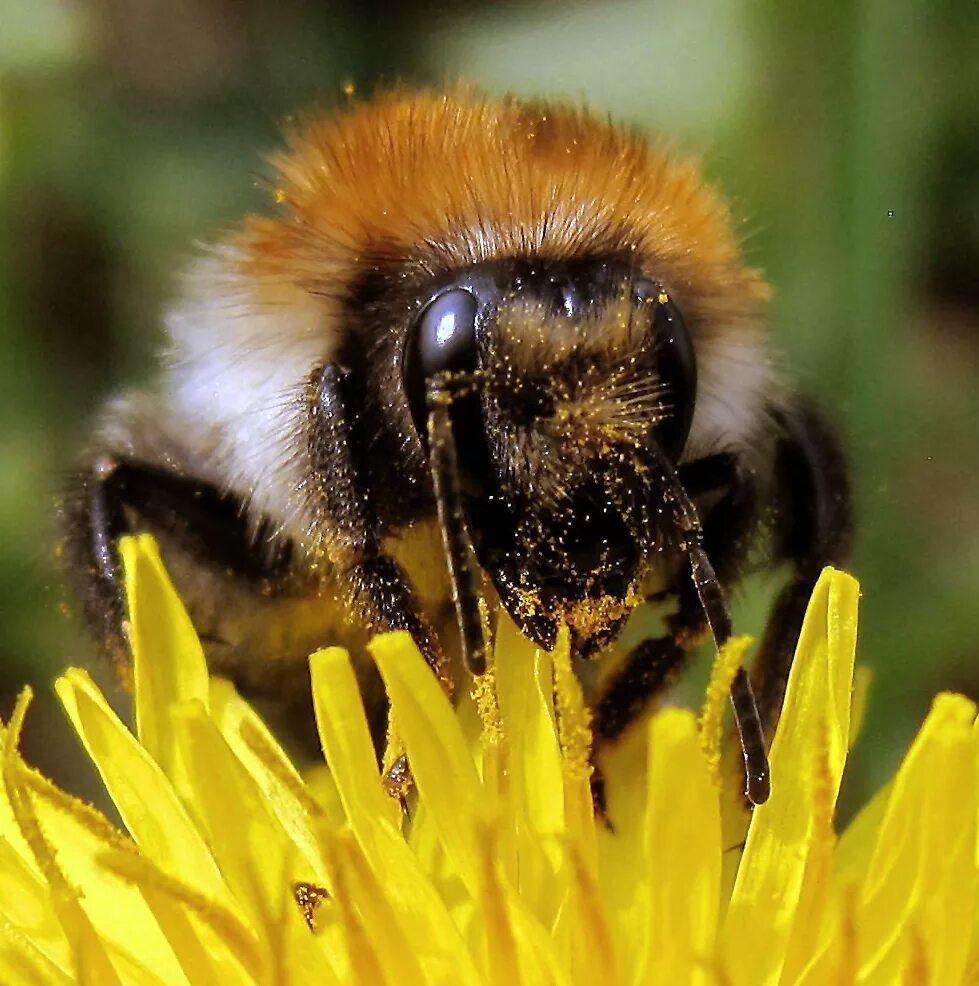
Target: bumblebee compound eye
(443, 338)
(676, 365)
(446, 337)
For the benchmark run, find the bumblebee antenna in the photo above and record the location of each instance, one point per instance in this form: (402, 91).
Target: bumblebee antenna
(757, 779)
(443, 389)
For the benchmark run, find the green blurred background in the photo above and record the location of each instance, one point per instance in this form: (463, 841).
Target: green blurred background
(846, 135)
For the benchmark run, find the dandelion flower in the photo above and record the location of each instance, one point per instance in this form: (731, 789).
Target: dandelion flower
(235, 868)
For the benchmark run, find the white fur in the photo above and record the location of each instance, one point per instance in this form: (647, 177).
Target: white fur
(232, 398)
(231, 407)
(735, 381)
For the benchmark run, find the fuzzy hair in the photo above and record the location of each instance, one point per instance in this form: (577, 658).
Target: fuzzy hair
(428, 182)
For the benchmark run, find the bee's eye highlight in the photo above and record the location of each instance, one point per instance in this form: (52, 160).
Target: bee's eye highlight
(446, 330)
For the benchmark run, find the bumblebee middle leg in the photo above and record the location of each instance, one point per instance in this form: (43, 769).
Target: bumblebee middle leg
(119, 495)
(813, 529)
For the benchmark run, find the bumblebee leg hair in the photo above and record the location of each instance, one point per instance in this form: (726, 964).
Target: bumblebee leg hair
(380, 588)
(813, 529)
(691, 537)
(448, 497)
(649, 666)
(118, 496)
(95, 521)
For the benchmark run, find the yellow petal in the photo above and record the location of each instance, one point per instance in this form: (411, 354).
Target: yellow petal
(273, 772)
(254, 852)
(524, 687)
(440, 759)
(168, 662)
(23, 963)
(396, 954)
(210, 940)
(810, 747)
(682, 873)
(140, 790)
(518, 949)
(589, 945)
(921, 882)
(374, 818)
(90, 959)
(25, 904)
(534, 771)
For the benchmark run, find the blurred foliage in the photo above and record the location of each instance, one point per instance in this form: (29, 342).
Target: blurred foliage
(847, 136)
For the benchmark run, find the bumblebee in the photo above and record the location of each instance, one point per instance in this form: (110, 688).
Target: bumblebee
(485, 349)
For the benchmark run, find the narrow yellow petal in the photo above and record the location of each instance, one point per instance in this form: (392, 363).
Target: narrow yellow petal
(365, 964)
(346, 740)
(375, 820)
(202, 958)
(395, 951)
(168, 662)
(534, 771)
(256, 856)
(441, 762)
(197, 922)
(25, 903)
(813, 731)
(140, 790)
(91, 961)
(815, 890)
(592, 951)
(82, 836)
(271, 769)
(682, 877)
(525, 689)
(518, 948)
(23, 963)
(922, 877)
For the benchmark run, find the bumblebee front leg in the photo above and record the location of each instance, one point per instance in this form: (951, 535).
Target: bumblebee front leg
(379, 587)
(646, 671)
(447, 482)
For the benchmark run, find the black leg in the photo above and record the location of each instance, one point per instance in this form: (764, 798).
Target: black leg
(727, 526)
(685, 528)
(813, 528)
(646, 671)
(380, 588)
(118, 496)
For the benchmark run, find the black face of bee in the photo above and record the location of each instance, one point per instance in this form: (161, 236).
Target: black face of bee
(577, 366)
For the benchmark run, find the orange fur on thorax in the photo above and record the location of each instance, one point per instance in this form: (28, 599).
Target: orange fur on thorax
(443, 180)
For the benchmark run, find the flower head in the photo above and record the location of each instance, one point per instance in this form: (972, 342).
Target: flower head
(237, 869)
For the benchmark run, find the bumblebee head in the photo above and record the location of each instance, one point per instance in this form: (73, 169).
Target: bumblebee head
(576, 367)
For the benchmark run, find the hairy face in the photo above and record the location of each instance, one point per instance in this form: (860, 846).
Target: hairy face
(577, 367)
